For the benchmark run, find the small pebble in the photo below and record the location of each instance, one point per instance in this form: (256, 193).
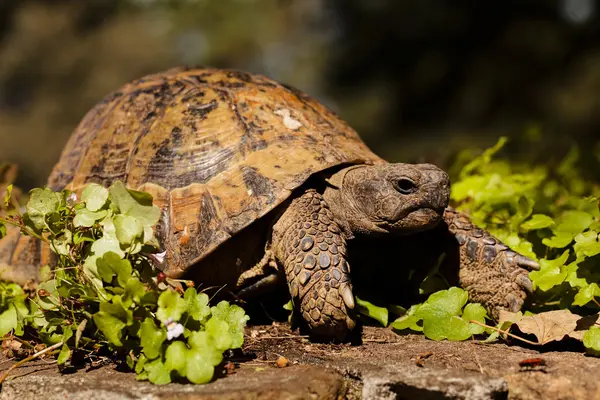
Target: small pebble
(282, 362)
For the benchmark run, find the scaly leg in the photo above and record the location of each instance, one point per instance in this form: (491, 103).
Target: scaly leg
(308, 243)
(492, 274)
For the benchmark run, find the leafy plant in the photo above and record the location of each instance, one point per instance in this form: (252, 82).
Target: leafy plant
(550, 214)
(445, 315)
(104, 294)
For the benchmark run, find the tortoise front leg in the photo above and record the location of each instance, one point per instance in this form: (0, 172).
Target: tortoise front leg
(493, 275)
(308, 243)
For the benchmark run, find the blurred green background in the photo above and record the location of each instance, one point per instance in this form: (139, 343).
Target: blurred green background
(418, 79)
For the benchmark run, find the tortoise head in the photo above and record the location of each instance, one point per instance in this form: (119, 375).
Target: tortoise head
(402, 198)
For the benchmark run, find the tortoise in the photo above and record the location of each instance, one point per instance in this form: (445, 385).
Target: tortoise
(260, 184)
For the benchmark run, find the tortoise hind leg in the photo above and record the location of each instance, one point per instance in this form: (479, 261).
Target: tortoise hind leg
(309, 245)
(260, 278)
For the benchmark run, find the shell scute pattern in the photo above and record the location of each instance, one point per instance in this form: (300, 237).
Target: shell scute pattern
(212, 147)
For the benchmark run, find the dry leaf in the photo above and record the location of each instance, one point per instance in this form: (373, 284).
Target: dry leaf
(549, 326)
(507, 316)
(583, 325)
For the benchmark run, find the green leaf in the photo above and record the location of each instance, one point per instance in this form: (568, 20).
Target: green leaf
(586, 294)
(219, 330)
(157, 372)
(175, 357)
(50, 301)
(170, 306)
(111, 264)
(134, 290)
(197, 304)
(559, 240)
(441, 315)
(458, 329)
(198, 369)
(62, 243)
(134, 204)
(67, 334)
(407, 322)
(42, 202)
(118, 309)
(235, 317)
(586, 244)
(107, 243)
(449, 302)
(151, 338)
(128, 229)
(289, 306)
(475, 312)
(7, 195)
(8, 320)
(379, 314)
(2, 229)
(94, 196)
(573, 277)
(139, 365)
(551, 273)
(573, 221)
(591, 341)
(86, 218)
(204, 343)
(111, 326)
(64, 355)
(538, 221)
(483, 159)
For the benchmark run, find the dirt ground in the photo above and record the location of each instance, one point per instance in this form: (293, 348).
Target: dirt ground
(384, 365)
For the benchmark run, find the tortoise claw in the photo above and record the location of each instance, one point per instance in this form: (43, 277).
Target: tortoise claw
(527, 262)
(525, 283)
(347, 296)
(514, 302)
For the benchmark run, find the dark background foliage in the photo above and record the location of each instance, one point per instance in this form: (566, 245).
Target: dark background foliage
(419, 79)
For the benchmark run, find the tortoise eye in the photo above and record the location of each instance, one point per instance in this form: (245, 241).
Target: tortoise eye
(405, 186)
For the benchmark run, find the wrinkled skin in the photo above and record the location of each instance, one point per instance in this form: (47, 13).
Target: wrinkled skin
(371, 225)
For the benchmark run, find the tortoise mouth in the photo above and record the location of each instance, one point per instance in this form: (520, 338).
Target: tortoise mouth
(416, 220)
(417, 212)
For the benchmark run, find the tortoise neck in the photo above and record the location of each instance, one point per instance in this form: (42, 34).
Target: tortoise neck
(346, 212)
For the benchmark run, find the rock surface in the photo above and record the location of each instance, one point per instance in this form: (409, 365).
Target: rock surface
(385, 366)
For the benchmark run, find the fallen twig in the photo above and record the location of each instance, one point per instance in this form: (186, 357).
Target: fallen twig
(32, 357)
(506, 333)
(280, 337)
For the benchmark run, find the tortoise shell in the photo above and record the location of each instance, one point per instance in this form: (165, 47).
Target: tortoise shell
(216, 149)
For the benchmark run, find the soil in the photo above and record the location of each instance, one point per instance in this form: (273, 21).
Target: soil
(277, 363)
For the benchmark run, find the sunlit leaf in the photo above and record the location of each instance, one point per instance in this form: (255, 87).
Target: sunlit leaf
(379, 314)
(41, 203)
(170, 306)
(127, 229)
(94, 196)
(134, 204)
(551, 273)
(591, 340)
(151, 338)
(538, 221)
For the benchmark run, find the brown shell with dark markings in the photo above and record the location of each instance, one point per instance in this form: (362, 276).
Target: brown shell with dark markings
(216, 149)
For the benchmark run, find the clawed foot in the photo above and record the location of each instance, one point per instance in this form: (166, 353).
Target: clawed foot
(310, 246)
(519, 267)
(493, 274)
(327, 305)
